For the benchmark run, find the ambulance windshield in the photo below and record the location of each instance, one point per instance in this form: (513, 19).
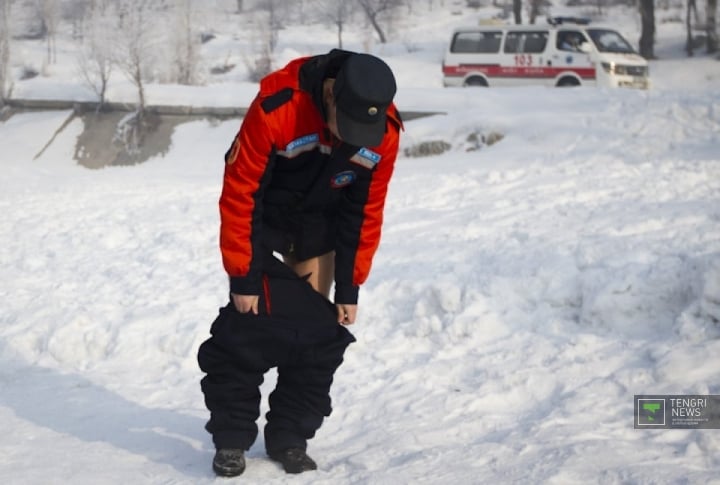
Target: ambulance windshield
(610, 41)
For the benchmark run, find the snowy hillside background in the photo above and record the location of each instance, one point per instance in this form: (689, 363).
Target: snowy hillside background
(522, 294)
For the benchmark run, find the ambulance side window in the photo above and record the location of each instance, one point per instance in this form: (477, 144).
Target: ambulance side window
(491, 42)
(512, 42)
(476, 42)
(526, 42)
(535, 42)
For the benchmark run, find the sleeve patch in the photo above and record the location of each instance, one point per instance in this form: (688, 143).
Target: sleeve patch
(232, 152)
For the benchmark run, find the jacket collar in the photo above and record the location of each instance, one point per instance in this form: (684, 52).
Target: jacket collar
(316, 69)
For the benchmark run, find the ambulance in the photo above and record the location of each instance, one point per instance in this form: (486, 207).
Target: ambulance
(567, 51)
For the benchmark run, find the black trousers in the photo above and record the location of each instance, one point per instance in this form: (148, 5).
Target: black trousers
(297, 332)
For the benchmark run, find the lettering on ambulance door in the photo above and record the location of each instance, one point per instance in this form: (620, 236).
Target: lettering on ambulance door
(523, 60)
(524, 44)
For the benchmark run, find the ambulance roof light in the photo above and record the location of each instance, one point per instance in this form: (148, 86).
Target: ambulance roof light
(568, 20)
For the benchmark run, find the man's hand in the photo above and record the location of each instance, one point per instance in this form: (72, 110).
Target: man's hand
(246, 303)
(346, 313)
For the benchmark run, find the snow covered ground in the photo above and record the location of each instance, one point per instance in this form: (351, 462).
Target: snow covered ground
(522, 294)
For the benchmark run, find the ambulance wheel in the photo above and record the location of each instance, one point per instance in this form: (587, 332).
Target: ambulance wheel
(475, 81)
(568, 82)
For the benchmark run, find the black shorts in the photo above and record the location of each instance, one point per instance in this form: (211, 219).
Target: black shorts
(306, 236)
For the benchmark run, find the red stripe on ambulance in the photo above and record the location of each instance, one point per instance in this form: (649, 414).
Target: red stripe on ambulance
(496, 70)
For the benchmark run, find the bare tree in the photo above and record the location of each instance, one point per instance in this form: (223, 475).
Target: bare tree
(336, 12)
(186, 42)
(599, 5)
(273, 22)
(535, 7)
(517, 11)
(690, 42)
(74, 12)
(263, 40)
(95, 59)
(711, 26)
(137, 42)
(267, 25)
(647, 34)
(374, 8)
(5, 78)
(49, 13)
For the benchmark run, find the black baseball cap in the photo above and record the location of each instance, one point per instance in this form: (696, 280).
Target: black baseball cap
(364, 88)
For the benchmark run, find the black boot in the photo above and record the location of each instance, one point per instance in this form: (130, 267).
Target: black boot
(229, 462)
(294, 460)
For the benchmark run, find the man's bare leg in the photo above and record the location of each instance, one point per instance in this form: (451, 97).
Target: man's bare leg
(320, 270)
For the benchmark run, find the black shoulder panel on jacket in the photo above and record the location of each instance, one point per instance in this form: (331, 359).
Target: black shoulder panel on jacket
(276, 100)
(397, 120)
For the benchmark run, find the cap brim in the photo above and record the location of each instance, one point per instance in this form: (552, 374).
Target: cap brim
(361, 134)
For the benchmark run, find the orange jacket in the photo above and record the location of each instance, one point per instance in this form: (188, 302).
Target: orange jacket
(284, 160)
